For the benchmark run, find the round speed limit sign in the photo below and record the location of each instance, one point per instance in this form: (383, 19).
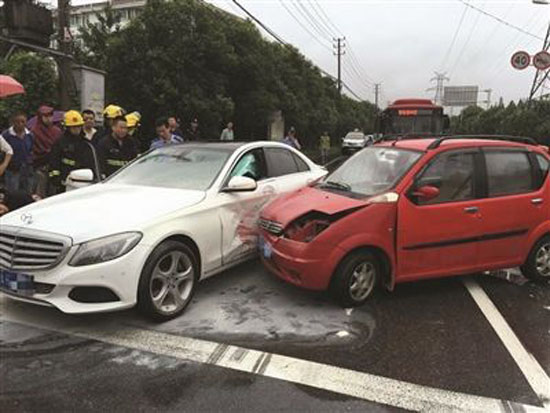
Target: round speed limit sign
(521, 60)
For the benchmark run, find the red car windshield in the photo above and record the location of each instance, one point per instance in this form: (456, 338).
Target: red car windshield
(372, 171)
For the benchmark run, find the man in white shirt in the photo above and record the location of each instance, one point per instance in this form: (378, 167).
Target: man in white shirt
(90, 132)
(6, 152)
(227, 133)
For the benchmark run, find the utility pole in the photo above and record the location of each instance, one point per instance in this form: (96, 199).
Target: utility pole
(376, 93)
(339, 46)
(488, 101)
(542, 75)
(64, 63)
(439, 78)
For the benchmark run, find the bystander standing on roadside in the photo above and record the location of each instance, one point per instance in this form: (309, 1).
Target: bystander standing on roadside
(116, 150)
(175, 126)
(73, 151)
(89, 129)
(19, 174)
(228, 133)
(6, 153)
(45, 134)
(164, 135)
(324, 145)
(193, 133)
(291, 139)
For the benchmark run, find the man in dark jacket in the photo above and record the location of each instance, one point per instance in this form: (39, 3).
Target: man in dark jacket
(73, 151)
(117, 149)
(46, 134)
(193, 133)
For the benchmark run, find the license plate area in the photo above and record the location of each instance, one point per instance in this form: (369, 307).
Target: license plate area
(264, 247)
(17, 283)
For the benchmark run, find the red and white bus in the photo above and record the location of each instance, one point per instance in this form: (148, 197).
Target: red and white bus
(413, 116)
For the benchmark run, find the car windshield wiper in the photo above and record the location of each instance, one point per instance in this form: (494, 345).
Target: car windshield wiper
(336, 185)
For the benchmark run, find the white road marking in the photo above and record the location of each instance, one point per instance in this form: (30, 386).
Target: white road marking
(361, 385)
(529, 366)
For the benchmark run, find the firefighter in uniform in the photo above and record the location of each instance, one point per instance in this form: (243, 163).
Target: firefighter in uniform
(109, 113)
(117, 149)
(72, 151)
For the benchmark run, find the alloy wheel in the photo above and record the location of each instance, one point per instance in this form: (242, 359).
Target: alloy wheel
(362, 281)
(172, 282)
(542, 260)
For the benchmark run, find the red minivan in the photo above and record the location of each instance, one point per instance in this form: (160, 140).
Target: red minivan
(414, 209)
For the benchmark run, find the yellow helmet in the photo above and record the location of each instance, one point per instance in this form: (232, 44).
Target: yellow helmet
(132, 119)
(112, 111)
(73, 118)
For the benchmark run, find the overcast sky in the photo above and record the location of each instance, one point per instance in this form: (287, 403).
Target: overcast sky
(400, 43)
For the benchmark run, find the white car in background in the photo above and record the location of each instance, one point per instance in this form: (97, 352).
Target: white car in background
(150, 232)
(355, 141)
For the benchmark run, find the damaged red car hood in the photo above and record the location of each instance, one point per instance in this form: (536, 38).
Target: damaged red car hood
(287, 208)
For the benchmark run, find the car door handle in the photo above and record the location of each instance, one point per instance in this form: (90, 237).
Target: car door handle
(537, 201)
(471, 210)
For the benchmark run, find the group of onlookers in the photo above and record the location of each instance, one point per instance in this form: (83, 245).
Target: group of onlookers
(36, 157)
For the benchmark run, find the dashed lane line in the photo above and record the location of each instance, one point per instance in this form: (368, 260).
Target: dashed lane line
(529, 366)
(348, 382)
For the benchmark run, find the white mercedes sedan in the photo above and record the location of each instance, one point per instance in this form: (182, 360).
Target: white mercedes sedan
(148, 234)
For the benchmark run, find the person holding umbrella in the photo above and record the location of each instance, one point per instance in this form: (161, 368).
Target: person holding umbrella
(9, 86)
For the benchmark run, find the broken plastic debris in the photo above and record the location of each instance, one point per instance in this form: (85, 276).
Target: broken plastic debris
(349, 311)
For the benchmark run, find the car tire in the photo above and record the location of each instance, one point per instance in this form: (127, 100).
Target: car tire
(356, 278)
(537, 266)
(167, 281)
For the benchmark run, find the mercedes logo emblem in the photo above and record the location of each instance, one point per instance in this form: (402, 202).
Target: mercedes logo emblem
(27, 218)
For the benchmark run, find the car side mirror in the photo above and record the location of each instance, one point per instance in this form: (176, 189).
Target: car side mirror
(240, 184)
(79, 178)
(426, 192)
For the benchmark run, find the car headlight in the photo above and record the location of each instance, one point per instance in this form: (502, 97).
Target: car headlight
(105, 249)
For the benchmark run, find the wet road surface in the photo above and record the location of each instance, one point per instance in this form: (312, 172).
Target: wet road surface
(430, 335)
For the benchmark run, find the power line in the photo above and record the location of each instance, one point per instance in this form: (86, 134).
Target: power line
(472, 30)
(278, 38)
(322, 21)
(303, 26)
(307, 16)
(355, 60)
(500, 20)
(352, 92)
(263, 26)
(444, 62)
(336, 29)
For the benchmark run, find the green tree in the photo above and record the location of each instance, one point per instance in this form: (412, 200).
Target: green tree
(521, 119)
(186, 57)
(38, 75)
(93, 39)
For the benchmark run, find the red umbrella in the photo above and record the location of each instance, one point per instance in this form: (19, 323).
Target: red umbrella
(9, 86)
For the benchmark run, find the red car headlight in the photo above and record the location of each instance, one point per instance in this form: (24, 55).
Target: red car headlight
(305, 230)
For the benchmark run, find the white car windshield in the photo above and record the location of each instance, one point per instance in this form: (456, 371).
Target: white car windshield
(355, 135)
(371, 171)
(179, 166)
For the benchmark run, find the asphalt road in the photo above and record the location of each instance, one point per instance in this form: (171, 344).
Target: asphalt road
(249, 342)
